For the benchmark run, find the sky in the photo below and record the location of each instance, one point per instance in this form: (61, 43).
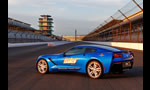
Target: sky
(68, 15)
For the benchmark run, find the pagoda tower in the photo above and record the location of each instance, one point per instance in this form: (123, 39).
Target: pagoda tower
(45, 24)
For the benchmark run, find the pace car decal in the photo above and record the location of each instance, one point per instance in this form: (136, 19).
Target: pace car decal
(70, 60)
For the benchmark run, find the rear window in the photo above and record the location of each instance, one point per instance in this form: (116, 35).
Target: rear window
(110, 48)
(90, 50)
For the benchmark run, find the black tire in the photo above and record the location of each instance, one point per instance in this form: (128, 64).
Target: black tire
(94, 69)
(42, 66)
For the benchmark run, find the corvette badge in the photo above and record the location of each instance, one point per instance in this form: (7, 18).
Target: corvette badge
(101, 55)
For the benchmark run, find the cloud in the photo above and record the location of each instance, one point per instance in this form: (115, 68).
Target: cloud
(98, 18)
(46, 3)
(13, 2)
(34, 6)
(95, 3)
(68, 15)
(68, 26)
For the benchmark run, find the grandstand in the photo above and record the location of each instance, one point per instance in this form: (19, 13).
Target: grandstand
(19, 31)
(126, 25)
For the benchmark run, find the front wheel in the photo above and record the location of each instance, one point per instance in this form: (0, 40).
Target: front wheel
(94, 69)
(42, 66)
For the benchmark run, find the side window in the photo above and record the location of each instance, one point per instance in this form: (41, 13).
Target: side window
(90, 50)
(74, 51)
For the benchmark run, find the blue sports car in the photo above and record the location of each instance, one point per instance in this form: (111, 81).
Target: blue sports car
(95, 60)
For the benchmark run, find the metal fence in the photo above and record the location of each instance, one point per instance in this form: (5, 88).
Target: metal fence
(15, 36)
(126, 25)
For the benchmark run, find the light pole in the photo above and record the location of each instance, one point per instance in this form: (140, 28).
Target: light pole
(75, 35)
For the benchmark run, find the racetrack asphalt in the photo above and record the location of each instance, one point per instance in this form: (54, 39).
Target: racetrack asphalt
(23, 76)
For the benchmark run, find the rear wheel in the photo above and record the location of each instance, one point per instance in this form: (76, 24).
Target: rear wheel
(42, 66)
(94, 69)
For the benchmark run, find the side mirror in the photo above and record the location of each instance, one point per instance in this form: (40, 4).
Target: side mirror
(83, 54)
(64, 54)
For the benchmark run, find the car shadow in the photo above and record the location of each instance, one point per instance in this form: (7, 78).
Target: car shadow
(66, 73)
(135, 72)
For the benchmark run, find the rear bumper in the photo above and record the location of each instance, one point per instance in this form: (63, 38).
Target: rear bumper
(127, 65)
(120, 66)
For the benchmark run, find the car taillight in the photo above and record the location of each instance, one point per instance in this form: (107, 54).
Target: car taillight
(117, 55)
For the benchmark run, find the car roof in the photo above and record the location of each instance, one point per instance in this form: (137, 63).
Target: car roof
(100, 46)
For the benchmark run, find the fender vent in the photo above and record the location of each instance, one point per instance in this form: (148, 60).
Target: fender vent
(52, 61)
